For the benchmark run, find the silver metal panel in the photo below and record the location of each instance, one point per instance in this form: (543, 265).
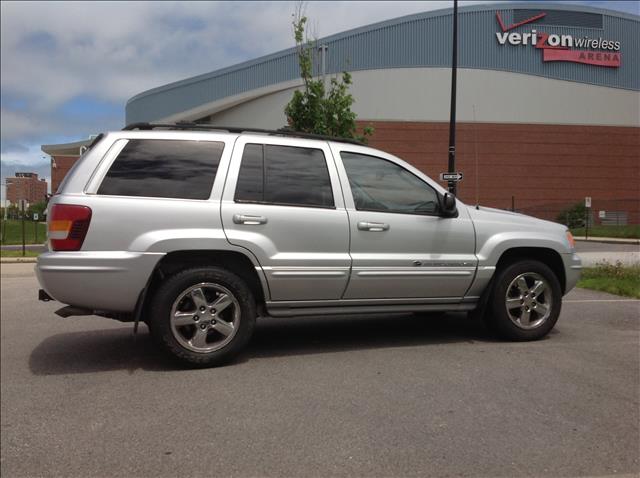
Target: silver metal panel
(110, 280)
(304, 251)
(415, 256)
(412, 41)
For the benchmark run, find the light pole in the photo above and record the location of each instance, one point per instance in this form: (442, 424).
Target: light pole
(452, 119)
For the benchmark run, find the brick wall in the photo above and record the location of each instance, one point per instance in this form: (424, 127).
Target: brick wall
(544, 167)
(63, 165)
(31, 189)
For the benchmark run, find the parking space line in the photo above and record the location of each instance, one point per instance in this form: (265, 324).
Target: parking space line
(601, 300)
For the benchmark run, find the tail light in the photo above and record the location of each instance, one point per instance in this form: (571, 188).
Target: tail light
(68, 226)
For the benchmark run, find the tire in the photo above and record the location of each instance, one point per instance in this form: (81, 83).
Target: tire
(522, 311)
(202, 316)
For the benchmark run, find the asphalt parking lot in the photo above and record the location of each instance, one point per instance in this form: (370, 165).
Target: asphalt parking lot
(366, 396)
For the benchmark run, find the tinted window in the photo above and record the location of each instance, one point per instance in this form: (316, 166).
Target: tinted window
(164, 168)
(284, 175)
(250, 186)
(380, 185)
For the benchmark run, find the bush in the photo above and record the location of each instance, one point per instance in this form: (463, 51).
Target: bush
(574, 216)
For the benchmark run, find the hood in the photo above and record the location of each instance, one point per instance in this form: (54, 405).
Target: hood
(491, 215)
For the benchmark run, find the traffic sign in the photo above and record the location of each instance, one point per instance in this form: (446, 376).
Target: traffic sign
(587, 201)
(451, 177)
(35, 216)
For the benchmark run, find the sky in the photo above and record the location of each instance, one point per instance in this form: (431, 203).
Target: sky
(68, 68)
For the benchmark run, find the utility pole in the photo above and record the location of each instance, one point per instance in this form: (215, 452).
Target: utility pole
(452, 120)
(22, 201)
(323, 64)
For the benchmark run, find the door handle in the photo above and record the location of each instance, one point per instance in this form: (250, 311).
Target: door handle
(373, 226)
(249, 220)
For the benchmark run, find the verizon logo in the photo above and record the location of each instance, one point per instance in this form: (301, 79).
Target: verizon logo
(558, 47)
(542, 40)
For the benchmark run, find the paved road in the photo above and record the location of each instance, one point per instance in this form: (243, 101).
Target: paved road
(588, 246)
(593, 252)
(367, 396)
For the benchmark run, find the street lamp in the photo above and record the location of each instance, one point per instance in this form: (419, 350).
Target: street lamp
(452, 120)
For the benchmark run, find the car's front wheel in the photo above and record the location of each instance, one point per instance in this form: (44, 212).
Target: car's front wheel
(203, 316)
(525, 302)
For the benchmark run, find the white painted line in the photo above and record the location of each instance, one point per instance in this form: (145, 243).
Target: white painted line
(601, 300)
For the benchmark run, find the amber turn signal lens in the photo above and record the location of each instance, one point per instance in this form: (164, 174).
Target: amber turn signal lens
(571, 240)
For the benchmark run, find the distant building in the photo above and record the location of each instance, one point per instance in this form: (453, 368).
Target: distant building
(63, 156)
(26, 186)
(547, 101)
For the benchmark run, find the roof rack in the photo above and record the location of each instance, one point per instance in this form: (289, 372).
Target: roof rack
(184, 125)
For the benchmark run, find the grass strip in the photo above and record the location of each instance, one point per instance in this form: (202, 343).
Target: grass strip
(621, 232)
(612, 278)
(18, 253)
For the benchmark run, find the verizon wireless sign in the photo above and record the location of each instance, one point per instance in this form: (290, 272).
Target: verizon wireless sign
(599, 51)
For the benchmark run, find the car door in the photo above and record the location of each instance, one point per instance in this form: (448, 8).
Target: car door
(283, 202)
(400, 247)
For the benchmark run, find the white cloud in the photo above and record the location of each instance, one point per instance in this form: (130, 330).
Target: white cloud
(52, 52)
(113, 50)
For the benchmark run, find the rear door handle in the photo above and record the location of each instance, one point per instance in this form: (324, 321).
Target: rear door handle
(373, 226)
(249, 220)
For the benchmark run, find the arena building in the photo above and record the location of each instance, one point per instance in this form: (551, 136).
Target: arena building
(548, 100)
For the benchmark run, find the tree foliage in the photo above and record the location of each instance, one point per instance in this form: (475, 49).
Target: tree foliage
(574, 216)
(316, 109)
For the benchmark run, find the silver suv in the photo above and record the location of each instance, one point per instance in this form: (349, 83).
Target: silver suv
(198, 230)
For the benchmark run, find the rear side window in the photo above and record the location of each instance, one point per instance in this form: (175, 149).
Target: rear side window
(164, 168)
(284, 175)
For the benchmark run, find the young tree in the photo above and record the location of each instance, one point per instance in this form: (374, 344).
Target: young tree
(313, 109)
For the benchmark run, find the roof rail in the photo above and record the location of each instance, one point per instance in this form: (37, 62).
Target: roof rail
(184, 125)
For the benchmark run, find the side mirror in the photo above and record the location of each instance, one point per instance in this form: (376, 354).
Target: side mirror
(448, 206)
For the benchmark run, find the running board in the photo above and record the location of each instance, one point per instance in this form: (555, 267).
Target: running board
(367, 309)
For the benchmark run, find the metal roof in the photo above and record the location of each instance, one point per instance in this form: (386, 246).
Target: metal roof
(419, 40)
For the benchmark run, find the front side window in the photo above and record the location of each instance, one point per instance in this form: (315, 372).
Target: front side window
(164, 168)
(284, 175)
(380, 185)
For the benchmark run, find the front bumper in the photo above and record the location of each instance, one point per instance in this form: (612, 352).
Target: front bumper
(97, 280)
(572, 270)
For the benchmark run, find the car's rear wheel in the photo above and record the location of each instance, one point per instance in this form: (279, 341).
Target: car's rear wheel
(525, 302)
(203, 316)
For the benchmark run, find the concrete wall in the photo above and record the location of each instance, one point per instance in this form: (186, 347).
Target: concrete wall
(422, 94)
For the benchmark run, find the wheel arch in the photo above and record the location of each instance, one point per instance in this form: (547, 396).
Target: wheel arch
(234, 261)
(547, 256)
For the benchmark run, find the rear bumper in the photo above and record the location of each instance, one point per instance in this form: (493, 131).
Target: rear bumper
(104, 280)
(572, 270)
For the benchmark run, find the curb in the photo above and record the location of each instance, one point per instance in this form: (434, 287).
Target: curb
(608, 240)
(18, 260)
